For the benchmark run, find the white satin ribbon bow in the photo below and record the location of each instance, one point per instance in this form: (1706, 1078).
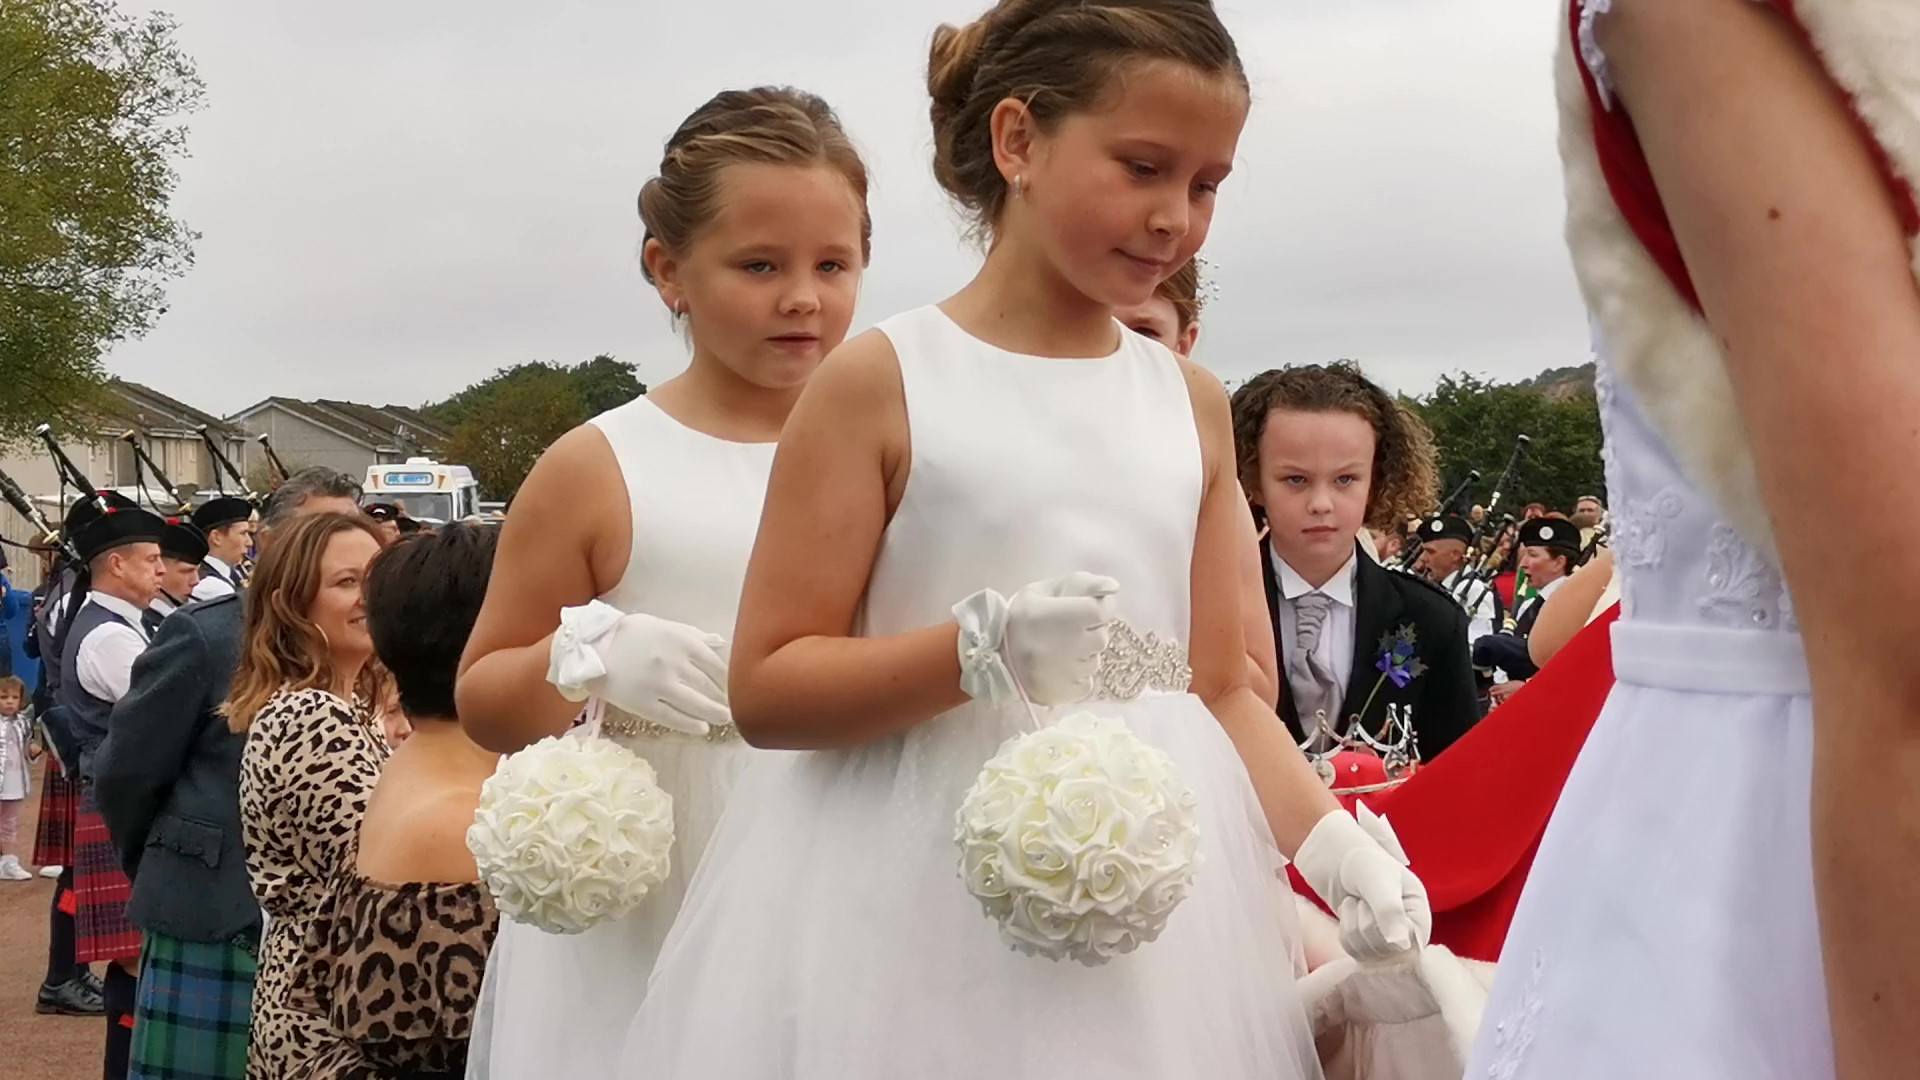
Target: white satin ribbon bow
(573, 662)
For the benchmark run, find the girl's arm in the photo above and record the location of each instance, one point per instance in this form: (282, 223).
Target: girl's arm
(1263, 667)
(799, 680)
(1293, 796)
(566, 541)
(1802, 267)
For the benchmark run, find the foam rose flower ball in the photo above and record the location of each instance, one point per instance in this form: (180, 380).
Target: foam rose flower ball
(572, 831)
(1079, 840)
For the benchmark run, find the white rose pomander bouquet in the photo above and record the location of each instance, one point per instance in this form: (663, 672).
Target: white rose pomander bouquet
(575, 830)
(571, 832)
(1078, 839)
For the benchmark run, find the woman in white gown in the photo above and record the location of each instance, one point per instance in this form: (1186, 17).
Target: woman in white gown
(1732, 860)
(1016, 435)
(757, 232)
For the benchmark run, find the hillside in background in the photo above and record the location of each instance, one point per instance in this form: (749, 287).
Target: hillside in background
(1560, 384)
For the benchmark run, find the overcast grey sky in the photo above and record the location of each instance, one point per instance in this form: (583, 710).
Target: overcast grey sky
(397, 198)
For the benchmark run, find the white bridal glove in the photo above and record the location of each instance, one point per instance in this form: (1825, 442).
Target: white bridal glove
(667, 672)
(1048, 637)
(1359, 869)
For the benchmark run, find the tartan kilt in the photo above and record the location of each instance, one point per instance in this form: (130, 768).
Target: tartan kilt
(192, 1013)
(53, 835)
(101, 888)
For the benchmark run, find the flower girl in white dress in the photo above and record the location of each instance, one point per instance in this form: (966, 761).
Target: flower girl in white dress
(1015, 441)
(757, 233)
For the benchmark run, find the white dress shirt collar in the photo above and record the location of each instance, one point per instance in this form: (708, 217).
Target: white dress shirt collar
(119, 607)
(1339, 587)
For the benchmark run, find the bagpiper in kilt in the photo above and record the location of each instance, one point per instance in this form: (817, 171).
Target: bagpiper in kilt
(167, 780)
(102, 636)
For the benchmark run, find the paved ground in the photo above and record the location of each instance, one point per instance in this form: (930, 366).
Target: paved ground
(35, 1047)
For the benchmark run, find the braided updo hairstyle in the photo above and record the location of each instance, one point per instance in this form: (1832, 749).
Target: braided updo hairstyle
(1059, 57)
(1406, 479)
(773, 125)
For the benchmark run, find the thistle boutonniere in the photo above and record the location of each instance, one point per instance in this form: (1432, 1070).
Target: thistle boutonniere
(1398, 663)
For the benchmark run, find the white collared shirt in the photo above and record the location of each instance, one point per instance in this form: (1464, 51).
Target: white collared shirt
(214, 586)
(162, 606)
(1335, 647)
(1546, 590)
(105, 659)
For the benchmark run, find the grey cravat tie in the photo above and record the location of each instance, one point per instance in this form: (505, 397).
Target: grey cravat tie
(1308, 673)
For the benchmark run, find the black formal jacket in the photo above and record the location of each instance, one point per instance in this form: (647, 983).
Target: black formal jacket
(167, 780)
(1507, 650)
(1445, 703)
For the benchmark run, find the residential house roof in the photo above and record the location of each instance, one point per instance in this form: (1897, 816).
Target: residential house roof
(131, 404)
(389, 429)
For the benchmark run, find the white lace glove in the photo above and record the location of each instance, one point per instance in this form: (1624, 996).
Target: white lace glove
(1048, 637)
(667, 672)
(1359, 869)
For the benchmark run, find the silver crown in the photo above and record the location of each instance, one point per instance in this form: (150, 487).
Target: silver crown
(1398, 750)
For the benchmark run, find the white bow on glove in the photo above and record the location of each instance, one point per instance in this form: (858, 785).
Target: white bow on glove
(666, 672)
(1360, 870)
(1047, 640)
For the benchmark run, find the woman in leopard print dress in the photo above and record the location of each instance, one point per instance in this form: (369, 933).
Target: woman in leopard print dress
(395, 960)
(313, 753)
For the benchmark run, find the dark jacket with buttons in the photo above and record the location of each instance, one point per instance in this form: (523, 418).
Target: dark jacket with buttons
(167, 780)
(1443, 699)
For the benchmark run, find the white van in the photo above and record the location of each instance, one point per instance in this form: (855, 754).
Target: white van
(425, 489)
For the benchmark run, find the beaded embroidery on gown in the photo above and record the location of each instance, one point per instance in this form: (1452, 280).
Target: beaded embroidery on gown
(558, 1005)
(828, 934)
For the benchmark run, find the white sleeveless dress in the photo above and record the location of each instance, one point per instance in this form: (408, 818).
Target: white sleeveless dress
(828, 935)
(558, 1005)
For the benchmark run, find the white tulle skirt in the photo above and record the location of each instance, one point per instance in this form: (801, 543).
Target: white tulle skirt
(555, 1005)
(1668, 926)
(828, 936)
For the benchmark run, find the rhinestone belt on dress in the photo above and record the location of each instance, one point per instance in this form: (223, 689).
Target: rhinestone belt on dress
(628, 726)
(1133, 664)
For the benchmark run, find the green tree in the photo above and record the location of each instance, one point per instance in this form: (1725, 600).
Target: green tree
(1475, 422)
(601, 383)
(91, 104)
(503, 423)
(503, 432)
(606, 383)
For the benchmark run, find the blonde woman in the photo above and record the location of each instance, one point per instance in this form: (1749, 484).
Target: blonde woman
(313, 752)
